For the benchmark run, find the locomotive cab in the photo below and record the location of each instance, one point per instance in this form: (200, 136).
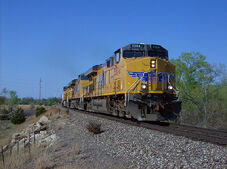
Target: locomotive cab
(150, 89)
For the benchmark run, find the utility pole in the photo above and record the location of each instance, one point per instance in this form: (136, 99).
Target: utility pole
(40, 83)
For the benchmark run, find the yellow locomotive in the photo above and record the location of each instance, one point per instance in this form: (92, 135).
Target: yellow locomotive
(137, 82)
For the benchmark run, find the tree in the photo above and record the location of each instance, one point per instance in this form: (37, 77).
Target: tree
(17, 116)
(197, 81)
(28, 100)
(4, 114)
(4, 92)
(50, 101)
(3, 100)
(13, 99)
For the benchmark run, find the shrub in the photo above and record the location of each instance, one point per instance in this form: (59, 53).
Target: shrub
(17, 116)
(39, 111)
(4, 114)
(94, 128)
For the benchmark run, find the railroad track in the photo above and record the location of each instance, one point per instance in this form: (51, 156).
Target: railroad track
(218, 137)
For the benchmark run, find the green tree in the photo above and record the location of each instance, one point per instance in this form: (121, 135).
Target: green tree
(4, 114)
(50, 101)
(3, 100)
(28, 100)
(13, 100)
(4, 92)
(17, 116)
(197, 81)
(3, 96)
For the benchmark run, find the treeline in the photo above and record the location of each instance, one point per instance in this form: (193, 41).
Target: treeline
(10, 108)
(202, 88)
(10, 98)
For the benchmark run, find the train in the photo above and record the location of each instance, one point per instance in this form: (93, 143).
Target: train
(137, 82)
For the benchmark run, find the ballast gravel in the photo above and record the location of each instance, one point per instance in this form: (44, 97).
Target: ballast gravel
(125, 146)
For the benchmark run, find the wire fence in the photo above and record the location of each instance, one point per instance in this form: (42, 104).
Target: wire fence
(17, 147)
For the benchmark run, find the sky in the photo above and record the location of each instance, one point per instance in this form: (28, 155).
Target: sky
(56, 40)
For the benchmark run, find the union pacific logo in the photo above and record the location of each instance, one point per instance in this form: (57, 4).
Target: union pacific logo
(143, 76)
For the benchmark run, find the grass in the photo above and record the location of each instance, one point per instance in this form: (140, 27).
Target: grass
(44, 162)
(38, 159)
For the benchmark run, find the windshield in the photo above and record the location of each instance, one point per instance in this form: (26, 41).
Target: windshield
(132, 53)
(160, 54)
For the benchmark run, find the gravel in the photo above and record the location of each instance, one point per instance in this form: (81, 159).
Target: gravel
(124, 146)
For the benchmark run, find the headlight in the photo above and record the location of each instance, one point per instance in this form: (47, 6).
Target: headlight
(170, 87)
(153, 63)
(143, 87)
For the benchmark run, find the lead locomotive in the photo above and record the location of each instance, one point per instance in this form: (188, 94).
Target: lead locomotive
(138, 82)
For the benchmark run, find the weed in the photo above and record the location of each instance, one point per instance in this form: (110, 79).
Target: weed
(94, 127)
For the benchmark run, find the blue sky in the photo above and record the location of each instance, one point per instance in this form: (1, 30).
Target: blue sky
(58, 39)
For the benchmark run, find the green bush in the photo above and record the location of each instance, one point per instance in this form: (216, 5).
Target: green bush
(17, 116)
(4, 114)
(39, 111)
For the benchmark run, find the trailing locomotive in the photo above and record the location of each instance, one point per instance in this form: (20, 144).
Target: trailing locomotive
(137, 82)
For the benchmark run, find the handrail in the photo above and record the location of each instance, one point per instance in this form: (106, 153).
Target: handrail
(173, 85)
(133, 84)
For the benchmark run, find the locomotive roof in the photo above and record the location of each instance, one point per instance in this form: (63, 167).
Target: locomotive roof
(93, 69)
(72, 82)
(82, 76)
(141, 46)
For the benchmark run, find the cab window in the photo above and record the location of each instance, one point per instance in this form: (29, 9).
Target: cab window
(117, 57)
(160, 54)
(132, 53)
(108, 63)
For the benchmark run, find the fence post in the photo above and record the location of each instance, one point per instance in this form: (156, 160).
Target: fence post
(17, 146)
(29, 148)
(24, 144)
(34, 137)
(11, 148)
(3, 160)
